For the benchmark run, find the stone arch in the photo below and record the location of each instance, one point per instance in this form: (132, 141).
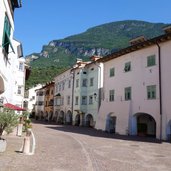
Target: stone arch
(61, 117)
(2, 87)
(143, 125)
(41, 115)
(69, 118)
(46, 116)
(168, 131)
(111, 123)
(89, 120)
(77, 120)
(55, 117)
(50, 115)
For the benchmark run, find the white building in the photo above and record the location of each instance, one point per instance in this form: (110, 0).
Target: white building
(63, 97)
(30, 98)
(137, 99)
(12, 70)
(87, 92)
(39, 106)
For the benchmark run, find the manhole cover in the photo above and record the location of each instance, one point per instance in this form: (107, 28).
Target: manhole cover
(134, 145)
(159, 155)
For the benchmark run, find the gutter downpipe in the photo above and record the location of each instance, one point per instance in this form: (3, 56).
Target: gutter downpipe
(160, 89)
(100, 91)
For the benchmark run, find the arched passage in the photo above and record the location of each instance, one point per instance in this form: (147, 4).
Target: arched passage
(41, 115)
(144, 125)
(46, 116)
(111, 123)
(50, 116)
(61, 117)
(55, 116)
(2, 88)
(69, 118)
(169, 131)
(89, 120)
(77, 120)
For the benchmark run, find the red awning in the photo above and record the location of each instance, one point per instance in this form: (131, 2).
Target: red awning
(13, 107)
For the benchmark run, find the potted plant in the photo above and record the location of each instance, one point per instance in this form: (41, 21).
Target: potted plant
(8, 121)
(27, 125)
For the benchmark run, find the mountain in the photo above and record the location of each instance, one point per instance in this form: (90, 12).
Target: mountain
(100, 40)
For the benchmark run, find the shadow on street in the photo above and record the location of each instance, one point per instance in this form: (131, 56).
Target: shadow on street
(95, 133)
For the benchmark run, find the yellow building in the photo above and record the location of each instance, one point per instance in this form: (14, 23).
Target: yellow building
(48, 99)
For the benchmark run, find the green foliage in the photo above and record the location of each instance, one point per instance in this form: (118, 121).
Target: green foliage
(8, 120)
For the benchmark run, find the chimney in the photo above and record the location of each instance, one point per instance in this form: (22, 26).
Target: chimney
(94, 58)
(167, 29)
(137, 40)
(79, 60)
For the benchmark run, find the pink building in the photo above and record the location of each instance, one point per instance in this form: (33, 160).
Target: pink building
(137, 99)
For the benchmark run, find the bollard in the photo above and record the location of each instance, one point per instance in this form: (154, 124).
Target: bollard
(19, 129)
(26, 145)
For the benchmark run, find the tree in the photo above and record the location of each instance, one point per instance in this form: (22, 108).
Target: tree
(8, 120)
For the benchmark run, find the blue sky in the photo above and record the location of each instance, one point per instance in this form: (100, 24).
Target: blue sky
(40, 21)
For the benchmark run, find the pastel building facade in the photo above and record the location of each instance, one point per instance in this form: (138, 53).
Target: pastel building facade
(136, 89)
(39, 106)
(12, 68)
(30, 98)
(63, 97)
(88, 84)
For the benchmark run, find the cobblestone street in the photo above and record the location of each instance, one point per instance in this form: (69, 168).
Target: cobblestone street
(70, 148)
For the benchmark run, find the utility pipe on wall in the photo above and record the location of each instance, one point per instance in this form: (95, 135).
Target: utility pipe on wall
(160, 88)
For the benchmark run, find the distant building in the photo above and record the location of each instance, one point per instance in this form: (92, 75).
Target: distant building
(48, 101)
(63, 97)
(87, 92)
(39, 106)
(30, 99)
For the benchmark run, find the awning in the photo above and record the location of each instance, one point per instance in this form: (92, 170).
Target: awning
(13, 107)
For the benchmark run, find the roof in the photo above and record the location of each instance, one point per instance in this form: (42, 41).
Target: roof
(135, 47)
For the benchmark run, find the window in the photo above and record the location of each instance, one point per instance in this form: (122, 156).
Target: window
(77, 83)
(51, 92)
(128, 93)
(84, 83)
(6, 36)
(91, 81)
(59, 86)
(91, 99)
(19, 90)
(63, 85)
(69, 84)
(40, 103)
(84, 100)
(21, 66)
(127, 67)
(111, 95)
(151, 92)
(76, 100)
(68, 100)
(39, 93)
(62, 100)
(151, 60)
(112, 72)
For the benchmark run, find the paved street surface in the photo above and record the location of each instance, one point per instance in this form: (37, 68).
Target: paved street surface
(69, 148)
